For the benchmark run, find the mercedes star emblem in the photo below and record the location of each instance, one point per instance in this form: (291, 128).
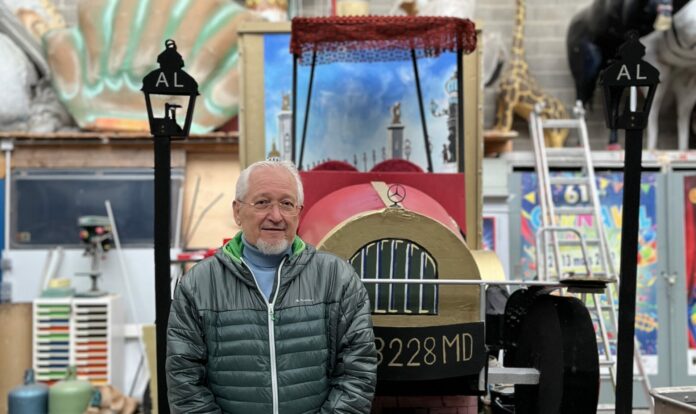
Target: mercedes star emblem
(396, 194)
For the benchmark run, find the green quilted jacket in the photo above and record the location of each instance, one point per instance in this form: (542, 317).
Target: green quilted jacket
(309, 349)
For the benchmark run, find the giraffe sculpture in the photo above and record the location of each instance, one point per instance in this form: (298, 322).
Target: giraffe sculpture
(519, 92)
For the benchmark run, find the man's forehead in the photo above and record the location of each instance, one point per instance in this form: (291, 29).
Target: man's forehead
(265, 179)
(271, 174)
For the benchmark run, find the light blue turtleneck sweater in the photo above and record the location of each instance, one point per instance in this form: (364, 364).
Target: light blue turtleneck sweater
(263, 266)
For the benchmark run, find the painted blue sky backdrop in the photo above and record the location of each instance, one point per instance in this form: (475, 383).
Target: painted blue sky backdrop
(350, 107)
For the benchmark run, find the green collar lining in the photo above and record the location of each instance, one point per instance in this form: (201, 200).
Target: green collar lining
(235, 246)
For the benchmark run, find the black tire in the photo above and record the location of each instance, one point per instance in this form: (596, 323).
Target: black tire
(557, 338)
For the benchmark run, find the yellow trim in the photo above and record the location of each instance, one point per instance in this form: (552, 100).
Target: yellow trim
(264, 27)
(252, 132)
(473, 142)
(382, 190)
(348, 221)
(489, 265)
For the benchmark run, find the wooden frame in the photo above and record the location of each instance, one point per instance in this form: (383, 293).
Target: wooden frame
(251, 109)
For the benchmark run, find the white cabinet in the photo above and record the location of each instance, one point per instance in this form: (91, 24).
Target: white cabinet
(85, 332)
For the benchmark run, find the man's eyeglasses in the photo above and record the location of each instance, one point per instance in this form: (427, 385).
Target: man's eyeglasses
(286, 207)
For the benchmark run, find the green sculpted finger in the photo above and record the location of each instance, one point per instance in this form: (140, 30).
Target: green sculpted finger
(217, 41)
(198, 15)
(220, 94)
(149, 42)
(63, 51)
(94, 20)
(126, 27)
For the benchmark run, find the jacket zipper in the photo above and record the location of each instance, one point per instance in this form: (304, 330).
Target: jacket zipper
(271, 330)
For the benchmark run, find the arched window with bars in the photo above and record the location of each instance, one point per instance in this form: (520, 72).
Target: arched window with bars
(398, 259)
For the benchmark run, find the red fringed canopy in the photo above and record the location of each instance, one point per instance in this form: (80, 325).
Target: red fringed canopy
(378, 38)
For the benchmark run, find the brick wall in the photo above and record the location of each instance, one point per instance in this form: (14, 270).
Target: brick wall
(425, 405)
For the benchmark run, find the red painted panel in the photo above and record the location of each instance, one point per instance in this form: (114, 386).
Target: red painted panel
(334, 208)
(447, 189)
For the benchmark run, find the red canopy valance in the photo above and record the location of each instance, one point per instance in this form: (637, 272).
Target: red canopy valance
(378, 38)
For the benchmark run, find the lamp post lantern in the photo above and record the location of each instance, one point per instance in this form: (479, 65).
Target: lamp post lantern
(169, 88)
(620, 82)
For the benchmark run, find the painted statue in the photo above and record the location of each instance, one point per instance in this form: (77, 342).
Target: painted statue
(673, 53)
(285, 106)
(396, 113)
(30, 101)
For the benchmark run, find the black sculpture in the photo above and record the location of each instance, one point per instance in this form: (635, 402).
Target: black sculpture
(596, 32)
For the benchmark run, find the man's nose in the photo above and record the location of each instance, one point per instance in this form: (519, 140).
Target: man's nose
(274, 213)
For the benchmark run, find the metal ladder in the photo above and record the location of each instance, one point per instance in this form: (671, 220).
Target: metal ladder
(549, 232)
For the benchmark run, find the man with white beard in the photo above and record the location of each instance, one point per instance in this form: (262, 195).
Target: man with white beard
(269, 324)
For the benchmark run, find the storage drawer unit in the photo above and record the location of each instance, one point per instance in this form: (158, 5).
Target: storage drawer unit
(85, 332)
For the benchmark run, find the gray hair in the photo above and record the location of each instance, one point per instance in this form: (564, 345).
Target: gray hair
(243, 180)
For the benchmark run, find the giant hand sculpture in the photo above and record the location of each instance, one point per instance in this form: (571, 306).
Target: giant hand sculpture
(98, 66)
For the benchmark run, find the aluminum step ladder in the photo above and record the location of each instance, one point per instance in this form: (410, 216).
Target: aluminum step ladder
(600, 276)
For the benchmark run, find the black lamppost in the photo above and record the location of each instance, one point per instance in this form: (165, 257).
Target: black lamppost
(169, 88)
(620, 81)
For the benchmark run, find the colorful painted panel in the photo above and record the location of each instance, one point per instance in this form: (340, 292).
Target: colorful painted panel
(610, 186)
(690, 265)
(361, 113)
